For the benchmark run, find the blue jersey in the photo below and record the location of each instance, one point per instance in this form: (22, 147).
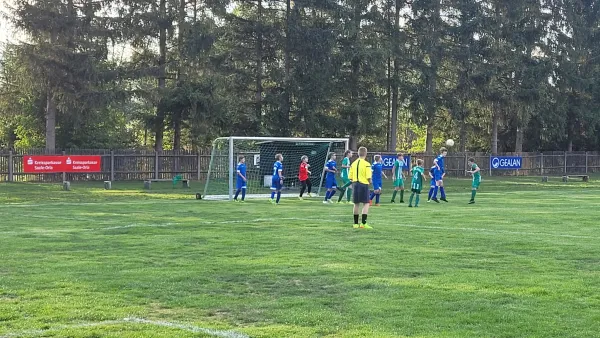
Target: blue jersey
(440, 162)
(435, 173)
(277, 168)
(377, 172)
(331, 166)
(241, 168)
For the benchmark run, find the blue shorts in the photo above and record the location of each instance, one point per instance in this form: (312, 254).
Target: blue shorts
(276, 184)
(240, 184)
(377, 185)
(330, 183)
(433, 182)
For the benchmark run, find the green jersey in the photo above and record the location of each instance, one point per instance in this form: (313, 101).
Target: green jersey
(398, 166)
(417, 175)
(477, 175)
(345, 162)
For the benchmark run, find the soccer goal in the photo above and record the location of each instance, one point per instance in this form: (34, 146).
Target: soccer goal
(259, 154)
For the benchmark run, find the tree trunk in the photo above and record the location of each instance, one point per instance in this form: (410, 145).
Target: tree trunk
(50, 121)
(159, 122)
(388, 96)
(519, 138)
(395, 80)
(495, 117)
(178, 115)
(429, 139)
(259, 63)
(355, 77)
(463, 136)
(286, 106)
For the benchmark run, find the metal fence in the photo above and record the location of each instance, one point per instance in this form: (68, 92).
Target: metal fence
(116, 165)
(129, 165)
(532, 164)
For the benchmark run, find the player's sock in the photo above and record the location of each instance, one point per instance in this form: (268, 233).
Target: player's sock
(278, 196)
(411, 199)
(417, 200)
(473, 193)
(394, 196)
(443, 192)
(364, 219)
(430, 193)
(327, 195)
(402, 196)
(243, 194)
(332, 193)
(348, 194)
(302, 190)
(372, 195)
(237, 193)
(356, 219)
(435, 191)
(377, 198)
(272, 194)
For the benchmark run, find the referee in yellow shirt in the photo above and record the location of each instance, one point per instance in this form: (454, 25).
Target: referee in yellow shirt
(360, 175)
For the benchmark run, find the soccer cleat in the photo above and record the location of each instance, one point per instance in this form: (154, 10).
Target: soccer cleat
(272, 200)
(471, 202)
(443, 199)
(309, 195)
(377, 205)
(371, 202)
(242, 201)
(401, 201)
(428, 201)
(300, 198)
(392, 201)
(235, 200)
(355, 226)
(365, 226)
(325, 202)
(410, 206)
(435, 200)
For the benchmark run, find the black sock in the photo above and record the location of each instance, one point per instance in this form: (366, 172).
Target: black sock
(364, 219)
(355, 219)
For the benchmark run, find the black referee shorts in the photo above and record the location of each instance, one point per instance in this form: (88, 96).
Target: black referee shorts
(361, 193)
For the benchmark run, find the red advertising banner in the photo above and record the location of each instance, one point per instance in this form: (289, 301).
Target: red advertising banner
(59, 164)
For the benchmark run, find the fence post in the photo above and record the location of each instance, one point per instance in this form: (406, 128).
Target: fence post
(198, 164)
(466, 160)
(586, 162)
(490, 164)
(565, 164)
(64, 153)
(112, 165)
(541, 164)
(10, 166)
(156, 164)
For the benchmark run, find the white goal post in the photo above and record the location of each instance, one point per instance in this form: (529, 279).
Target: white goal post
(259, 154)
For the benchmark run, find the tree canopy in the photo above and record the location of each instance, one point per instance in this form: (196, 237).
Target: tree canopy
(510, 75)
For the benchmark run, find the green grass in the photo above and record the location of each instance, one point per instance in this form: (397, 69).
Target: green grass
(523, 262)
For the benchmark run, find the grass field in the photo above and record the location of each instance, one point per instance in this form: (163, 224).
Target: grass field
(523, 262)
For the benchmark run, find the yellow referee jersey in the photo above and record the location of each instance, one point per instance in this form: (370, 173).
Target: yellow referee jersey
(360, 171)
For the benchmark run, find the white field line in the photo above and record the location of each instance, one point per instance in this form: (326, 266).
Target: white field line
(178, 326)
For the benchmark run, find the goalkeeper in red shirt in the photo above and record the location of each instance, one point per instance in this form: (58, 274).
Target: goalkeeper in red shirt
(303, 176)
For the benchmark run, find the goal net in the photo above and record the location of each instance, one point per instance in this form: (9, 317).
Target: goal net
(259, 154)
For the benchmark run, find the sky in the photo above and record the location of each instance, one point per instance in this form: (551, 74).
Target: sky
(6, 30)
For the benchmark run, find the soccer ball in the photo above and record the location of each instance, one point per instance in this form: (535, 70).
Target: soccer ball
(450, 142)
